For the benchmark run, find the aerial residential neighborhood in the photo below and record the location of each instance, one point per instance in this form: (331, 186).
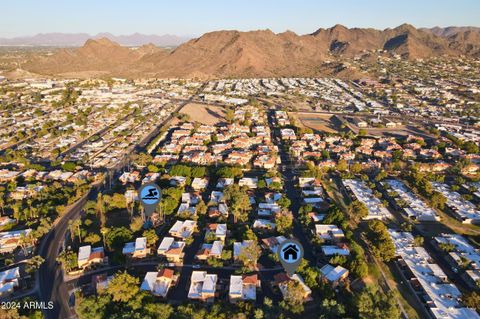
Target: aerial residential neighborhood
(240, 174)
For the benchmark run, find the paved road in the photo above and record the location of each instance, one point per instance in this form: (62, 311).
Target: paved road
(50, 285)
(49, 276)
(292, 193)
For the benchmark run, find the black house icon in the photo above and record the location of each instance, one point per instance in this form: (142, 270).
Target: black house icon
(290, 252)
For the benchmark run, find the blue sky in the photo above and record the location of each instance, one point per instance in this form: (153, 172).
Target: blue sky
(190, 17)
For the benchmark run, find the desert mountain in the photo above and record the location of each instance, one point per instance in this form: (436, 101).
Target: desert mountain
(259, 53)
(449, 31)
(78, 39)
(100, 55)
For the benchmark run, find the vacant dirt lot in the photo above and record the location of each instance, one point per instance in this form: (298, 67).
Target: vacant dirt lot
(206, 114)
(317, 122)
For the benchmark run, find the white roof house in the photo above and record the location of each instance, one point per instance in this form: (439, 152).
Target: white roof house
(443, 296)
(183, 229)
(295, 277)
(250, 182)
(333, 274)
(224, 182)
(328, 232)
(84, 254)
(364, 194)
(416, 208)
(464, 210)
(9, 280)
(158, 283)
(169, 243)
(330, 250)
(199, 183)
(137, 248)
(216, 197)
(243, 287)
(239, 246)
(202, 286)
(263, 223)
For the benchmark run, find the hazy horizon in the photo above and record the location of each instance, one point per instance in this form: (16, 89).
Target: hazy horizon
(191, 18)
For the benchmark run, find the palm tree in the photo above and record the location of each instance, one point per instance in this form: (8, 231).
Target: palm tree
(75, 224)
(2, 203)
(104, 231)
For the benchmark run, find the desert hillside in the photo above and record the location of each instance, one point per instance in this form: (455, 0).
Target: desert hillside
(259, 53)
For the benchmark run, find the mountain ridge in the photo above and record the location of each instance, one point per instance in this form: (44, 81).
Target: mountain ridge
(258, 53)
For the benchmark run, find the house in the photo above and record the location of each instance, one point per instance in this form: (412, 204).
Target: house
(329, 232)
(129, 177)
(305, 182)
(288, 134)
(137, 249)
(282, 280)
(340, 249)
(239, 246)
(332, 274)
(202, 286)
(5, 220)
(217, 211)
(171, 249)
(183, 229)
(224, 182)
(268, 209)
(316, 218)
(263, 224)
(101, 281)
(216, 197)
(199, 183)
(249, 182)
(9, 280)
(88, 256)
(158, 283)
(272, 243)
(178, 180)
(220, 231)
(210, 250)
(10, 240)
(243, 287)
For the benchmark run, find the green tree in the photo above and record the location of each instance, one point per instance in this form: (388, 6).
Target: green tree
(94, 307)
(238, 201)
(284, 222)
(68, 259)
(357, 208)
(117, 237)
(201, 208)
(332, 309)
(472, 300)
(69, 166)
(123, 287)
(438, 200)
(293, 297)
(249, 255)
(34, 263)
(152, 237)
(382, 244)
(373, 304)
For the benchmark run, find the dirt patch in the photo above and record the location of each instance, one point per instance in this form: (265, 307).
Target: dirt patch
(317, 122)
(205, 114)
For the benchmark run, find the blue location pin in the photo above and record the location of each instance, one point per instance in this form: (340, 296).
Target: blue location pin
(149, 195)
(290, 253)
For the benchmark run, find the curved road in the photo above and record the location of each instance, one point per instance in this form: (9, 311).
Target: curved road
(49, 280)
(49, 276)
